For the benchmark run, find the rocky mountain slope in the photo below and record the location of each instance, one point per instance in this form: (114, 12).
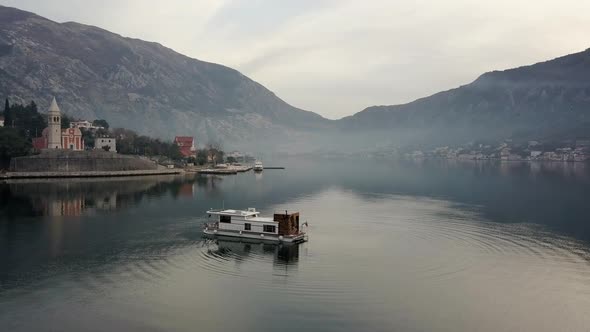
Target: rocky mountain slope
(545, 100)
(139, 85)
(149, 88)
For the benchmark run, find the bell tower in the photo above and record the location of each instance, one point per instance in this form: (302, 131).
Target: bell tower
(54, 126)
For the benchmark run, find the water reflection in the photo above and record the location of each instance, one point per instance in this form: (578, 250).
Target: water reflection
(77, 197)
(258, 176)
(228, 249)
(579, 171)
(391, 245)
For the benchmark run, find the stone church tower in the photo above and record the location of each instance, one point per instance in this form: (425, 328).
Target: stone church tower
(54, 126)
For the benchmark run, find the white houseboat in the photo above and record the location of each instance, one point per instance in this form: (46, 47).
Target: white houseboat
(248, 224)
(258, 167)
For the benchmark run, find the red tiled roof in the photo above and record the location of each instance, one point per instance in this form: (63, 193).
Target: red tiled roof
(185, 143)
(184, 139)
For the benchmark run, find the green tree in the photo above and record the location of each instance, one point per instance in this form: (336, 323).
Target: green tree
(66, 120)
(214, 152)
(8, 118)
(128, 142)
(101, 123)
(102, 133)
(202, 157)
(88, 137)
(12, 144)
(28, 120)
(219, 154)
(125, 140)
(174, 152)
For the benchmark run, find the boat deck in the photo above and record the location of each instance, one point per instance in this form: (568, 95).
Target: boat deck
(298, 238)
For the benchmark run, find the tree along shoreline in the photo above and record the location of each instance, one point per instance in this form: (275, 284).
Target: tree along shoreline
(24, 122)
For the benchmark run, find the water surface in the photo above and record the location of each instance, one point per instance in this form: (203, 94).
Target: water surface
(432, 246)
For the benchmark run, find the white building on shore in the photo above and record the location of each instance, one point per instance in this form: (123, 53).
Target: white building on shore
(105, 143)
(84, 124)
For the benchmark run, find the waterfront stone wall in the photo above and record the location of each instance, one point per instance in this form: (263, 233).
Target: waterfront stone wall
(80, 161)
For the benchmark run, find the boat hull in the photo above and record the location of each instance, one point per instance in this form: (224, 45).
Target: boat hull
(275, 238)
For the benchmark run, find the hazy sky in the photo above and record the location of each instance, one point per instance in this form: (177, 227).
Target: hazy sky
(338, 57)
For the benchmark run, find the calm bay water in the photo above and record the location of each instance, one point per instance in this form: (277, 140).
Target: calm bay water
(432, 246)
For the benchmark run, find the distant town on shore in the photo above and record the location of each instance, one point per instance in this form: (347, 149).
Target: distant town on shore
(507, 150)
(26, 132)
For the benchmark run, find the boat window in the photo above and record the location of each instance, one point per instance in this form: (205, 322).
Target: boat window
(269, 228)
(247, 227)
(225, 219)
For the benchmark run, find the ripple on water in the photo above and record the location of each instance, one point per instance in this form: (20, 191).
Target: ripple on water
(437, 245)
(272, 269)
(469, 245)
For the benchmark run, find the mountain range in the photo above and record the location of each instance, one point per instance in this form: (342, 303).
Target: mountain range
(147, 87)
(547, 100)
(139, 85)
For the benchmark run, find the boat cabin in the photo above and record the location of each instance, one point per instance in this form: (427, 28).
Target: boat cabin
(249, 221)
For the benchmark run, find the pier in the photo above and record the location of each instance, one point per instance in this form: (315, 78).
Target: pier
(224, 171)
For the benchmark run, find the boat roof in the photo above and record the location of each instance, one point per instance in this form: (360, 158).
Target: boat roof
(262, 219)
(231, 212)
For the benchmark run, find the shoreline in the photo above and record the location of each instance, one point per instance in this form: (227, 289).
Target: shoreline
(501, 160)
(87, 174)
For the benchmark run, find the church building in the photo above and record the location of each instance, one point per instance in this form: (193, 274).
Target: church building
(53, 137)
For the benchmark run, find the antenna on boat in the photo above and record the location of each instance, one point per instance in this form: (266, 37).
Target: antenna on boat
(223, 204)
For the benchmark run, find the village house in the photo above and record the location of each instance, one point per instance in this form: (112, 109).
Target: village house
(505, 153)
(105, 143)
(84, 124)
(187, 146)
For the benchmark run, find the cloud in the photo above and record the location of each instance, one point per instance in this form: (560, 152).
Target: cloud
(336, 57)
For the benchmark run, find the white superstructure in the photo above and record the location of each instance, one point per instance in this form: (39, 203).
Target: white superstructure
(249, 225)
(258, 167)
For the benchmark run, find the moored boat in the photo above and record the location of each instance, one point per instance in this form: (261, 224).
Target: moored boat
(247, 224)
(258, 167)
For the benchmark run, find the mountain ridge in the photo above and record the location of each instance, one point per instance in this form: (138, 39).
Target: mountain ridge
(139, 84)
(155, 90)
(528, 101)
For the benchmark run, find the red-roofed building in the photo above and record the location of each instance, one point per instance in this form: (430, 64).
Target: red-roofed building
(71, 139)
(187, 145)
(53, 137)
